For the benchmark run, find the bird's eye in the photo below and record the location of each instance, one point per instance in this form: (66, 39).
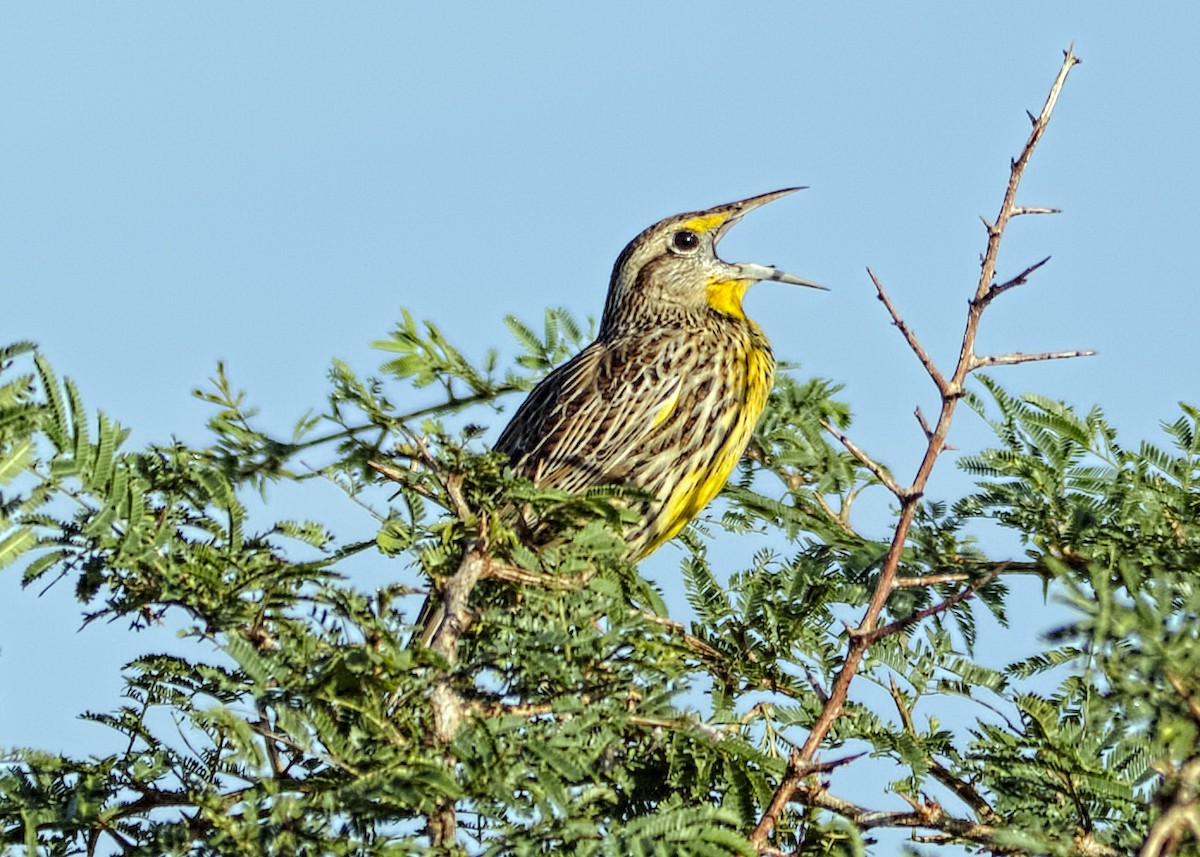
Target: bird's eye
(685, 240)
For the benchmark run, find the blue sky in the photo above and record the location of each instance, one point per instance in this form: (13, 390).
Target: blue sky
(269, 183)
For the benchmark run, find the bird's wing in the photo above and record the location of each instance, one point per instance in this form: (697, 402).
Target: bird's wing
(586, 422)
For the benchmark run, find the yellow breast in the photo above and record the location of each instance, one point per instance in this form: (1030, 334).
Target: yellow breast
(752, 374)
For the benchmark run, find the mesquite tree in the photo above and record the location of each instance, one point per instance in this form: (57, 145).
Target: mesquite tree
(559, 707)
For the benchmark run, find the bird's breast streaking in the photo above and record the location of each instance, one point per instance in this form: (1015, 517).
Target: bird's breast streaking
(666, 399)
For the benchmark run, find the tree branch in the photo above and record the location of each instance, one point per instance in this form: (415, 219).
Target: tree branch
(965, 791)
(1025, 209)
(928, 580)
(701, 648)
(951, 390)
(447, 704)
(924, 423)
(899, 625)
(1179, 818)
(1019, 280)
(877, 469)
(1018, 357)
(929, 815)
(909, 336)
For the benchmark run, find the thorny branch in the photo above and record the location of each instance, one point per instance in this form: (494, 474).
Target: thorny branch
(1018, 357)
(924, 423)
(928, 580)
(444, 629)
(797, 783)
(795, 480)
(928, 815)
(449, 707)
(900, 624)
(1181, 816)
(909, 336)
(1019, 280)
(702, 649)
(877, 469)
(965, 790)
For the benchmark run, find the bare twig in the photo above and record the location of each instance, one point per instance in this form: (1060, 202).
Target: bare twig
(841, 517)
(300, 749)
(924, 423)
(1018, 357)
(795, 480)
(447, 704)
(931, 816)
(966, 791)
(1182, 816)
(1009, 207)
(817, 688)
(1029, 209)
(1019, 280)
(951, 390)
(877, 634)
(875, 467)
(391, 471)
(701, 648)
(909, 336)
(513, 574)
(928, 580)
(834, 764)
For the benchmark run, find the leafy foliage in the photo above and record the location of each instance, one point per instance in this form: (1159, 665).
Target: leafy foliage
(586, 720)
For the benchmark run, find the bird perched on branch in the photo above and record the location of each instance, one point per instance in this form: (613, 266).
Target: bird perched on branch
(667, 397)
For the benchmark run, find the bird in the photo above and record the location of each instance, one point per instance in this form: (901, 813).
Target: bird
(666, 399)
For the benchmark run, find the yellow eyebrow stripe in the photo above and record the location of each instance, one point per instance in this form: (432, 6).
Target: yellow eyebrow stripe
(705, 222)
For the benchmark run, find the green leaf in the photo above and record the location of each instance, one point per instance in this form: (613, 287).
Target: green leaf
(16, 460)
(16, 543)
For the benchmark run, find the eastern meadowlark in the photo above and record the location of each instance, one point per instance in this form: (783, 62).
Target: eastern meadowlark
(667, 397)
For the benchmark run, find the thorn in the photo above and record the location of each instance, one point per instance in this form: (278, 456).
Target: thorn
(1018, 280)
(924, 423)
(1032, 118)
(1022, 209)
(1019, 357)
(826, 767)
(987, 225)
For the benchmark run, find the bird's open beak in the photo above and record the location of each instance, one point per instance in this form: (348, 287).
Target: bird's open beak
(749, 270)
(752, 271)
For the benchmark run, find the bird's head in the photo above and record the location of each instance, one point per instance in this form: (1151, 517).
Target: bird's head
(672, 268)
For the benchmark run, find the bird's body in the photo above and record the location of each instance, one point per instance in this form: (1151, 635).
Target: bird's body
(665, 400)
(667, 411)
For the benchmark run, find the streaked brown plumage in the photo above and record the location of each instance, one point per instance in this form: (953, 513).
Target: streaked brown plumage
(667, 397)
